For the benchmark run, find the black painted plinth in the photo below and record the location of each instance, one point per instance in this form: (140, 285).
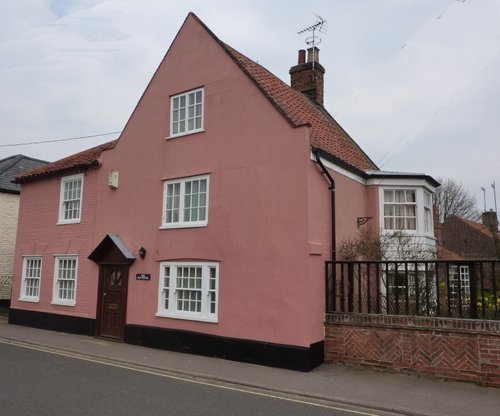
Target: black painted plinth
(272, 355)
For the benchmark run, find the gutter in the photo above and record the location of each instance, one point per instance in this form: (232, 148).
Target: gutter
(325, 172)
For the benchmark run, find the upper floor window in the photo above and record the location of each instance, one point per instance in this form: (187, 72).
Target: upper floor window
(188, 290)
(400, 209)
(65, 274)
(186, 113)
(185, 202)
(30, 284)
(70, 208)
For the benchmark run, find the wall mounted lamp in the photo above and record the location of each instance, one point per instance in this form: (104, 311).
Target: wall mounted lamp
(142, 252)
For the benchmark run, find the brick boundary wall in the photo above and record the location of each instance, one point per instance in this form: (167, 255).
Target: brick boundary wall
(458, 349)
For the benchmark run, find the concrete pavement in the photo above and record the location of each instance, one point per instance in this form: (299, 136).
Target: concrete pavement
(371, 389)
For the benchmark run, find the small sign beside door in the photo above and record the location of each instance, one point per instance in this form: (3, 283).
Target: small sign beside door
(143, 276)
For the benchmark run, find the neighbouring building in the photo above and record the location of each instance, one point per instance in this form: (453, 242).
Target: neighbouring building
(461, 238)
(206, 226)
(9, 206)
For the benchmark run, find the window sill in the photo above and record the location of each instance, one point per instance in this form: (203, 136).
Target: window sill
(189, 133)
(188, 318)
(194, 225)
(68, 222)
(409, 233)
(62, 303)
(31, 300)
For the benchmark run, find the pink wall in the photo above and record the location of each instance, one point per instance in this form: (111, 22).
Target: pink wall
(38, 234)
(350, 202)
(372, 208)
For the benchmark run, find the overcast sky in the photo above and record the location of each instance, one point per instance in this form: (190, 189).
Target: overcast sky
(416, 83)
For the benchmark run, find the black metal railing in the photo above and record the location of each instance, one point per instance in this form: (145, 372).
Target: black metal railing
(439, 288)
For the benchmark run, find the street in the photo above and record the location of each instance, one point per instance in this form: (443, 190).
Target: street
(42, 383)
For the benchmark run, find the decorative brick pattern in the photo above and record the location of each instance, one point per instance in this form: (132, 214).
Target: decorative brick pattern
(5, 286)
(448, 348)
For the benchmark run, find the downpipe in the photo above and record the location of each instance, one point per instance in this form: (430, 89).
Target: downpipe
(331, 187)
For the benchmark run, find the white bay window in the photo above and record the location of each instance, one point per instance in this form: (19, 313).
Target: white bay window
(400, 209)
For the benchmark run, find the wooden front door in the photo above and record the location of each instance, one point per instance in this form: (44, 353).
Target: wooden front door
(112, 300)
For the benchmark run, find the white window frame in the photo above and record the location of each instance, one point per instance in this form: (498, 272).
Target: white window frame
(31, 279)
(171, 205)
(459, 277)
(428, 218)
(63, 202)
(170, 292)
(186, 114)
(403, 204)
(58, 279)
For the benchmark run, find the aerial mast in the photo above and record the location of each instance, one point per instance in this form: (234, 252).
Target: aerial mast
(319, 26)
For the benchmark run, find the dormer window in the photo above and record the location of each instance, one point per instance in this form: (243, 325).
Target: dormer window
(186, 113)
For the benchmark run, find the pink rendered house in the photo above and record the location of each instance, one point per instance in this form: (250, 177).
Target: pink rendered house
(206, 226)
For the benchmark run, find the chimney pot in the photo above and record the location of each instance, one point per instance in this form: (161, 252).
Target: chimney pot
(302, 56)
(313, 54)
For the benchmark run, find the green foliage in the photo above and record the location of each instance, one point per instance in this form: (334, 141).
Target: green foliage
(489, 303)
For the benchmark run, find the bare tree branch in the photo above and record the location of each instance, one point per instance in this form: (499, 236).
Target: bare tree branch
(394, 245)
(451, 198)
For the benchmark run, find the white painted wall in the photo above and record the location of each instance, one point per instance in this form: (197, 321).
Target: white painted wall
(9, 207)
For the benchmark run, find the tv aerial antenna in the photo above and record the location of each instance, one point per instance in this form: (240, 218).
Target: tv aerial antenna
(320, 26)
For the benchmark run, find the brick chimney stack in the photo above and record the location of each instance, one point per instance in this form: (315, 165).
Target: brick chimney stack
(307, 77)
(490, 220)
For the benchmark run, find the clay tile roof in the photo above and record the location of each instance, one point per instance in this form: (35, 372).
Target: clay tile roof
(477, 226)
(326, 133)
(445, 254)
(88, 159)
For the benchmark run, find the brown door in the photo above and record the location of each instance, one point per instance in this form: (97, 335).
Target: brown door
(113, 301)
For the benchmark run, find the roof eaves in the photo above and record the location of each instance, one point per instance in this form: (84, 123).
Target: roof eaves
(9, 191)
(402, 175)
(339, 162)
(57, 172)
(59, 168)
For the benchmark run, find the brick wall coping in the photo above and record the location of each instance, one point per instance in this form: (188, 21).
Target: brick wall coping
(476, 326)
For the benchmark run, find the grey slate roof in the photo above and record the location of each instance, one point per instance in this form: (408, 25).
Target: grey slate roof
(12, 166)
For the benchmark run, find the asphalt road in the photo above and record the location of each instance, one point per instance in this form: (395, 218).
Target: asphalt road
(41, 383)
